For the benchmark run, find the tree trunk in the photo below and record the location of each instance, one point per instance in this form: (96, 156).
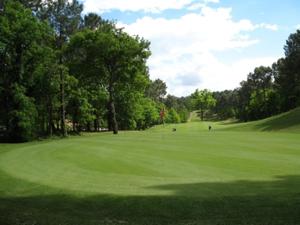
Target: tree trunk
(74, 125)
(50, 123)
(62, 78)
(96, 124)
(57, 125)
(62, 101)
(112, 112)
(202, 112)
(88, 126)
(43, 123)
(113, 124)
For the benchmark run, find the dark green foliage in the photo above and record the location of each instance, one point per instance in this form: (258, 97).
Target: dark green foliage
(262, 99)
(157, 90)
(112, 59)
(22, 41)
(180, 105)
(176, 108)
(90, 83)
(226, 103)
(88, 100)
(80, 110)
(257, 97)
(93, 22)
(21, 121)
(288, 76)
(45, 89)
(65, 18)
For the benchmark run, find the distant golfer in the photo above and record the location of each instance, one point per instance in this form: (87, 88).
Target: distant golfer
(209, 127)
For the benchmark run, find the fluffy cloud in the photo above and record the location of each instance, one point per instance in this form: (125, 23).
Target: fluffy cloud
(136, 5)
(211, 1)
(273, 27)
(203, 70)
(199, 5)
(184, 49)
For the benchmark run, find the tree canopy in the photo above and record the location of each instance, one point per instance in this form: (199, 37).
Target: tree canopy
(63, 72)
(203, 100)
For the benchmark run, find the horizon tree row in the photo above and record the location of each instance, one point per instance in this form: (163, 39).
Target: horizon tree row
(267, 91)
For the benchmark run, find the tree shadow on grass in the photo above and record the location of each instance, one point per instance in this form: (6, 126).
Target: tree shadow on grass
(241, 202)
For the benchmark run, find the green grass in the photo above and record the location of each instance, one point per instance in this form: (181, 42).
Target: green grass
(285, 122)
(235, 174)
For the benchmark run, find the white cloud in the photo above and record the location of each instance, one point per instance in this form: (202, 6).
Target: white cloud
(204, 71)
(196, 6)
(211, 1)
(154, 6)
(200, 5)
(297, 27)
(134, 5)
(219, 75)
(273, 27)
(184, 49)
(212, 29)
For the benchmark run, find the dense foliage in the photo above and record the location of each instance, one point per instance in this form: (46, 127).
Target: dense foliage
(61, 72)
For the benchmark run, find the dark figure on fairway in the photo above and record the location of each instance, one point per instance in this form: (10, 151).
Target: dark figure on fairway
(209, 127)
(174, 129)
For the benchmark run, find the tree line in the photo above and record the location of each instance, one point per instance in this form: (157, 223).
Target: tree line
(62, 72)
(267, 91)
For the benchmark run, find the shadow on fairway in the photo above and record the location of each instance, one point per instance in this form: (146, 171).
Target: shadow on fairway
(242, 202)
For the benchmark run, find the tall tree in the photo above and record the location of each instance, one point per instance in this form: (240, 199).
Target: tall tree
(117, 58)
(34, 5)
(257, 96)
(92, 21)
(125, 59)
(45, 88)
(65, 17)
(22, 41)
(203, 100)
(157, 90)
(288, 78)
(261, 82)
(226, 104)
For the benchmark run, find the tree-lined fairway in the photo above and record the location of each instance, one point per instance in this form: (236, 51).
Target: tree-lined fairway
(190, 176)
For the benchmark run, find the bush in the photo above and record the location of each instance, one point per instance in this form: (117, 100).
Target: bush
(21, 120)
(172, 116)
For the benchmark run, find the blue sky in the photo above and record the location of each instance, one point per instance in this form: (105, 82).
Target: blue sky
(209, 44)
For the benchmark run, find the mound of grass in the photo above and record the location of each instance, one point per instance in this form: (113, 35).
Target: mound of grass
(285, 122)
(191, 176)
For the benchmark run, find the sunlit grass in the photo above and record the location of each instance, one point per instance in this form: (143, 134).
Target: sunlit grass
(191, 176)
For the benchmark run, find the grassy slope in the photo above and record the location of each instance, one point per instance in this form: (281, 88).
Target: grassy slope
(191, 176)
(287, 122)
